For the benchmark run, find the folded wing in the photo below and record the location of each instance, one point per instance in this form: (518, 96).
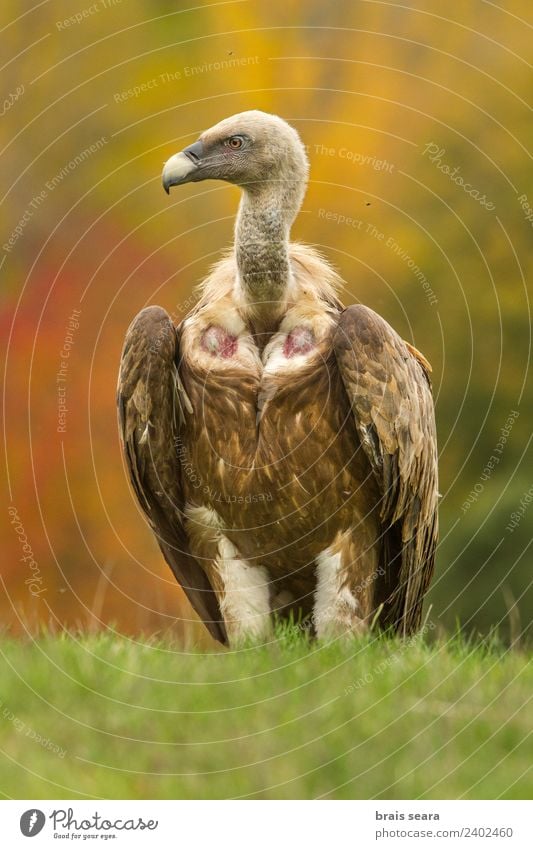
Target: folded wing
(152, 404)
(388, 386)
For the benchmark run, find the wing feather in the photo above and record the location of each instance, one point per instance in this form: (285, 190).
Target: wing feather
(152, 403)
(388, 386)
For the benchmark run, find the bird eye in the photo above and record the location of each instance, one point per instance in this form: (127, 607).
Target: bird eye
(235, 142)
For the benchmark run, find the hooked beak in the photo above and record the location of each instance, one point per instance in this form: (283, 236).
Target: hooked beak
(182, 167)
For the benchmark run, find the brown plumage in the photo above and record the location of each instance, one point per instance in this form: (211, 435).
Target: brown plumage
(282, 447)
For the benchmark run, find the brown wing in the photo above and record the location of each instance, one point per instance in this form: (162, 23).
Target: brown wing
(388, 386)
(152, 403)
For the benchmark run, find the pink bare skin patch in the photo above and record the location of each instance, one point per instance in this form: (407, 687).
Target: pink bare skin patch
(300, 340)
(218, 342)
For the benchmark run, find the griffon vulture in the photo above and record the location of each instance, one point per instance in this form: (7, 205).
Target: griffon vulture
(282, 446)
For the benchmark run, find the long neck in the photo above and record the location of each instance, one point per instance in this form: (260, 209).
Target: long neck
(262, 246)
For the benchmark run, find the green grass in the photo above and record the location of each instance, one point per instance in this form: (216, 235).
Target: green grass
(363, 719)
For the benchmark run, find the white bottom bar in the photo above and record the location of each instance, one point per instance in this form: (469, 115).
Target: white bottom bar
(268, 824)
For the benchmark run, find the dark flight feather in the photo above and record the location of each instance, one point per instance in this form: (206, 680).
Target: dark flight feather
(388, 386)
(152, 404)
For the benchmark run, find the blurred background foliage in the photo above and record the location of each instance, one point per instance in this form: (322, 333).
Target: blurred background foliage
(369, 85)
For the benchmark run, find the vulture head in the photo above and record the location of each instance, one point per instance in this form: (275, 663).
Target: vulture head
(254, 150)
(265, 157)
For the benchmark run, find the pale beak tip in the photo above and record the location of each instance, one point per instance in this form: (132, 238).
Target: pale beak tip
(178, 170)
